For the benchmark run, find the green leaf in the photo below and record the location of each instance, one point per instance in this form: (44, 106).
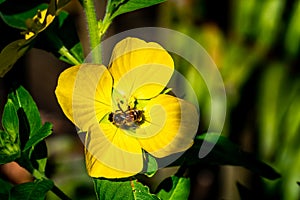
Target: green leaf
(225, 152)
(4, 189)
(9, 139)
(1, 1)
(113, 189)
(40, 135)
(152, 165)
(11, 53)
(32, 190)
(9, 151)
(117, 7)
(32, 133)
(77, 51)
(10, 121)
(22, 99)
(180, 188)
(39, 156)
(119, 189)
(37, 147)
(141, 192)
(18, 20)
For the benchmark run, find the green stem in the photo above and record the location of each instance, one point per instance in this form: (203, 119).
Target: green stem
(103, 26)
(65, 52)
(59, 46)
(37, 174)
(60, 193)
(90, 12)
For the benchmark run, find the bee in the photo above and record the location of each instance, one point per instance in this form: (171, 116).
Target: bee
(129, 119)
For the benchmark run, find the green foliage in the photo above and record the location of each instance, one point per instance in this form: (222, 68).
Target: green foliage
(12, 53)
(4, 189)
(113, 189)
(152, 165)
(115, 7)
(120, 189)
(141, 192)
(9, 150)
(40, 135)
(9, 138)
(10, 121)
(24, 20)
(180, 188)
(18, 20)
(225, 152)
(280, 122)
(31, 191)
(61, 36)
(23, 141)
(292, 39)
(22, 100)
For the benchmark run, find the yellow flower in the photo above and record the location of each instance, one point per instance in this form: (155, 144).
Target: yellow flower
(124, 111)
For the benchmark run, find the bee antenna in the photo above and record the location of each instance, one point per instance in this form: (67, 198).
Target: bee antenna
(120, 107)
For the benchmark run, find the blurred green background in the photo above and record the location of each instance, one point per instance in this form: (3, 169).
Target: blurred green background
(256, 46)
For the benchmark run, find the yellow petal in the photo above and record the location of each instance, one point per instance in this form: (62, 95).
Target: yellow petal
(84, 93)
(97, 169)
(140, 69)
(173, 125)
(64, 90)
(111, 153)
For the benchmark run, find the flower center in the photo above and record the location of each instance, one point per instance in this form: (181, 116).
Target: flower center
(129, 119)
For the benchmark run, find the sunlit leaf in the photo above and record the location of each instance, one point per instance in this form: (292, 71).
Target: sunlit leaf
(39, 156)
(292, 38)
(152, 165)
(113, 189)
(180, 188)
(44, 18)
(10, 121)
(116, 7)
(40, 135)
(9, 139)
(77, 51)
(18, 20)
(32, 190)
(119, 189)
(9, 151)
(141, 191)
(11, 53)
(22, 99)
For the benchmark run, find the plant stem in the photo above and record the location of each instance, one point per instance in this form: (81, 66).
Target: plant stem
(60, 193)
(103, 26)
(62, 50)
(90, 12)
(65, 52)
